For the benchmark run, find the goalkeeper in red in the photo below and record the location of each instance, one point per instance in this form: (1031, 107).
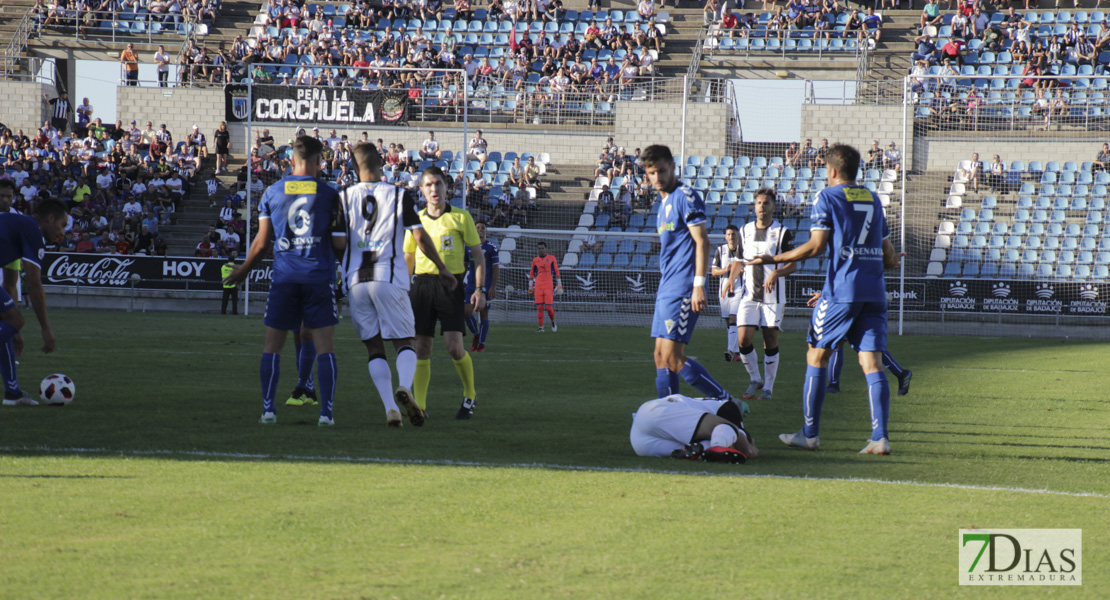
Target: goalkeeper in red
(545, 270)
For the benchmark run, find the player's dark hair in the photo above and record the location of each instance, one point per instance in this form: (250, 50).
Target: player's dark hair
(367, 157)
(306, 148)
(50, 207)
(8, 183)
(845, 159)
(732, 227)
(544, 244)
(433, 171)
(656, 154)
(768, 193)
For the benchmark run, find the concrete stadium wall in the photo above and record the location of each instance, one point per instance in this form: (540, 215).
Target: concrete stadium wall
(21, 105)
(945, 154)
(857, 125)
(641, 124)
(178, 108)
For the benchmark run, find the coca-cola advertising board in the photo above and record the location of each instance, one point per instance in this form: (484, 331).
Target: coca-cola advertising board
(154, 272)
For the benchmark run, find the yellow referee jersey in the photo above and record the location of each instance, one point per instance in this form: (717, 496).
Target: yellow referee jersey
(452, 232)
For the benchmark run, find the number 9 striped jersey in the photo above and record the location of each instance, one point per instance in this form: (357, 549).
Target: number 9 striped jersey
(376, 216)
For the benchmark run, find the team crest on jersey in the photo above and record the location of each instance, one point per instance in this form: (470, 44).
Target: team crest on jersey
(447, 242)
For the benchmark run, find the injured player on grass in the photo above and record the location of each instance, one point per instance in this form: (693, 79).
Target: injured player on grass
(707, 429)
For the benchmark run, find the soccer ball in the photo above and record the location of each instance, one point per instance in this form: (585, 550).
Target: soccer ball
(57, 390)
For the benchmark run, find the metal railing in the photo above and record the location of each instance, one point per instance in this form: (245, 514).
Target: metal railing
(12, 67)
(695, 58)
(789, 46)
(115, 26)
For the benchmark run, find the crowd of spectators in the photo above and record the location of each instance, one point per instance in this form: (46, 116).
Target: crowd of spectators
(539, 68)
(86, 15)
(121, 182)
(1040, 54)
(818, 19)
(498, 203)
(622, 185)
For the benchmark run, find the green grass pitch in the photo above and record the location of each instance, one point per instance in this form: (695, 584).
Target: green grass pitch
(157, 482)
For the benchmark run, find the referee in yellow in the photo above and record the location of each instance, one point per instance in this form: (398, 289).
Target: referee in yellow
(453, 231)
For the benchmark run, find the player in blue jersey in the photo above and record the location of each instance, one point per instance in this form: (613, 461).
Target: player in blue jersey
(847, 219)
(683, 263)
(493, 268)
(300, 212)
(21, 238)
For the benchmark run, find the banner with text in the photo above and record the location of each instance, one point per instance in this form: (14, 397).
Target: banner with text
(337, 107)
(145, 272)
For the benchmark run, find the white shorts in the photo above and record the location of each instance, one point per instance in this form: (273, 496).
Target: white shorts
(728, 305)
(664, 425)
(380, 307)
(758, 314)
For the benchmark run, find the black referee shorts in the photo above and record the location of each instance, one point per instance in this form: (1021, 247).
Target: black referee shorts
(432, 302)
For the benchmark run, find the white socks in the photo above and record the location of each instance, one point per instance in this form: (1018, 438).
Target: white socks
(383, 380)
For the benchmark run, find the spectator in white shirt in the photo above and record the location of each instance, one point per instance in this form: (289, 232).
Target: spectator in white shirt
(892, 158)
(429, 150)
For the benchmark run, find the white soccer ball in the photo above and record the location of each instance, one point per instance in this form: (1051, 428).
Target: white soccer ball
(57, 390)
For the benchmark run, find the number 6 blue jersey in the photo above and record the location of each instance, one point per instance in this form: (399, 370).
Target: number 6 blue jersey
(303, 213)
(854, 216)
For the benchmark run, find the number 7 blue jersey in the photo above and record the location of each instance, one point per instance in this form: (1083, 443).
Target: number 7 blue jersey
(303, 212)
(854, 217)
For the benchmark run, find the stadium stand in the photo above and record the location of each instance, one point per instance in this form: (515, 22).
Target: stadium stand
(1044, 219)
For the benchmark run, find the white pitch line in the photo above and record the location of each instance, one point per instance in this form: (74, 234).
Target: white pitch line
(467, 463)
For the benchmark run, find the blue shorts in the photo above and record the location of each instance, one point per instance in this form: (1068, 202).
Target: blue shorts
(290, 304)
(6, 302)
(863, 324)
(674, 319)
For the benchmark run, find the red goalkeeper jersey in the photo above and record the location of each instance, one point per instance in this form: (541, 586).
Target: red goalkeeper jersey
(544, 269)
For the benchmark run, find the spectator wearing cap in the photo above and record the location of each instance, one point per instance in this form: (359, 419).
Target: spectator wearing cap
(197, 141)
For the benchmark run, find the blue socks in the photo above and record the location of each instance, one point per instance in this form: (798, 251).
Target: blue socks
(878, 397)
(836, 363)
(891, 364)
(666, 382)
(269, 372)
(813, 396)
(306, 359)
(329, 373)
(483, 331)
(696, 375)
(7, 369)
(472, 323)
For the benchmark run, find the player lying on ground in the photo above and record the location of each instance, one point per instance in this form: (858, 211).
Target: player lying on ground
(691, 428)
(836, 364)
